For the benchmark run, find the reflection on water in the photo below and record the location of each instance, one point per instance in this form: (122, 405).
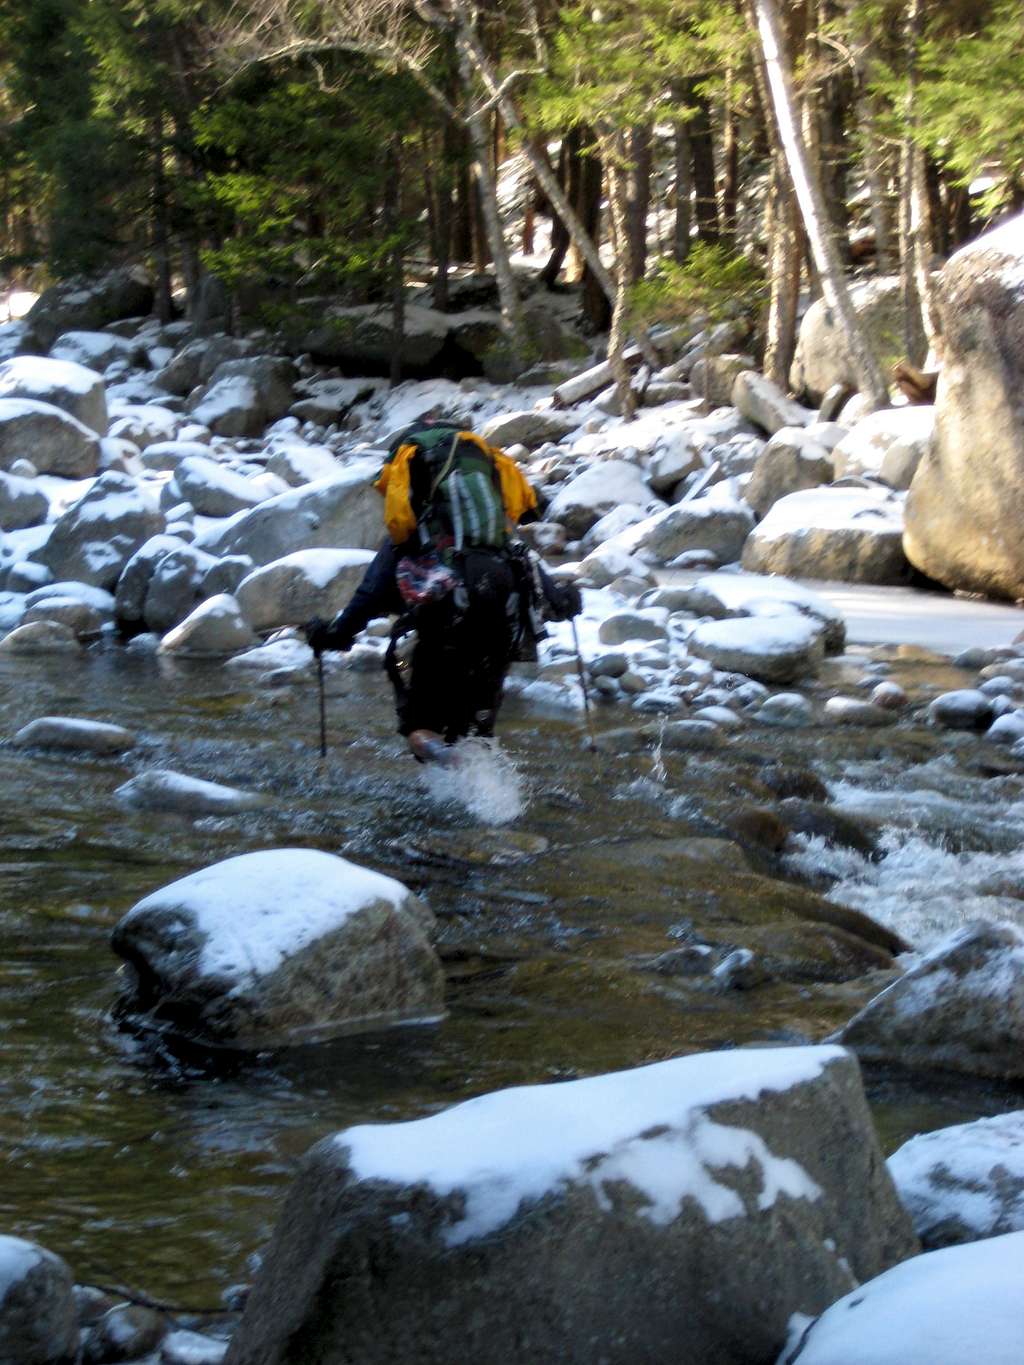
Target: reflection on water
(168, 1177)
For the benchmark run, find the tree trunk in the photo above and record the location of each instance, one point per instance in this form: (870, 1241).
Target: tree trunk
(683, 192)
(703, 151)
(812, 206)
(637, 180)
(920, 312)
(161, 232)
(615, 147)
(784, 259)
(512, 315)
(730, 164)
(444, 187)
(559, 233)
(392, 215)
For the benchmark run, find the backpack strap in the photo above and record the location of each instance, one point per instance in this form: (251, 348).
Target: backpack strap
(394, 483)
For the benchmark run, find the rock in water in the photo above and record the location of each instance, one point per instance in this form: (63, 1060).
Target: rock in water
(67, 732)
(966, 503)
(945, 1308)
(161, 789)
(38, 1319)
(961, 1008)
(681, 1211)
(282, 946)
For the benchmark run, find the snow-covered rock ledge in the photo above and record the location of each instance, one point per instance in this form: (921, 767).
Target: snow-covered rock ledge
(281, 946)
(680, 1211)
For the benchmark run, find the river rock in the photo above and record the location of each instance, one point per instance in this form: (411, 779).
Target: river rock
(707, 523)
(856, 711)
(329, 400)
(67, 732)
(677, 455)
(790, 462)
(41, 637)
(126, 1333)
(144, 424)
(95, 350)
(583, 500)
(282, 945)
(191, 1348)
(134, 579)
(38, 1319)
(762, 402)
(963, 1183)
(79, 616)
(961, 1008)
(822, 359)
(772, 649)
(56, 442)
(245, 395)
(713, 376)
(340, 512)
(722, 595)
(862, 451)
(215, 628)
(852, 535)
(786, 709)
(647, 623)
(966, 503)
(163, 455)
(529, 428)
(72, 388)
(193, 365)
(943, 1308)
(90, 302)
(298, 464)
(212, 489)
(97, 535)
(162, 789)
(21, 503)
(307, 583)
(965, 709)
(504, 1224)
(176, 586)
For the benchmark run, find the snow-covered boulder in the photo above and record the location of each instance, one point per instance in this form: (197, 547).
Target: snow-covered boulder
(18, 338)
(678, 1212)
(41, 637)
(77, 615)
(95, 350)
(89, 302)
(282, 945)
(960, 1008)
(162, 789)
(789, 463)
(713, 376)
(133, 582)
(298, 463)
(963, 1183)
(722, 595)
(69, 732)
(144, 424)
(362, 336)
(22, 503)
(38, 1315)
(775, 649)
(966, 503)
(307, 583)
(822, 355)
(590, 495)
(968, 708)
(853, 535)
(195, 362)
(343, 512)
(176, 586)
(529, 428)
(51, 438)
(243, 396)
(947, 1307)
(677, 455)
(212, 489)
(715, 523)
(215, 628)
(762, 402)
(98, 534)
(169, 454)
(328, 400)
(863, 449)
(63, 384)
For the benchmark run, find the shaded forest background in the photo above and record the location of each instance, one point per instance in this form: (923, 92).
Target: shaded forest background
(651, 153)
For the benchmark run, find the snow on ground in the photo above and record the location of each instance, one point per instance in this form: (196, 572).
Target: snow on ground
(947, 1307)
(260, 908)
(511, 1146)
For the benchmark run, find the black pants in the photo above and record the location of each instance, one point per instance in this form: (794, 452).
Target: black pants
(456, 676)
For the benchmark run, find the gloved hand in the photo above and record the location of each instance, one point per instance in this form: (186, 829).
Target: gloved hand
(564, 601)
(321, 635)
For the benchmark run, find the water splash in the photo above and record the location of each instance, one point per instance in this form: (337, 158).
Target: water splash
(485, 782)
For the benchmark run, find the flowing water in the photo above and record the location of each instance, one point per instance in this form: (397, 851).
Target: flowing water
(553, 870)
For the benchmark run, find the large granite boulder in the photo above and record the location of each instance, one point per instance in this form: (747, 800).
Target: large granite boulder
(301, 585)
(963, 1183)
(38, 1314)
(712, 523)
(362, 336)
(678, 1212)
(822, 358)
(95, 538)
(341, 512)
(175, 587)
(965, 508)
(722, 595)
(64, 384)
(244, 396)
(212, 630)
(862, 451)
(774, 649)
(947, 1307)
(134, 579)
(22, 503)
(89, 303)
(96, 350)
(961, 1008)
(850, 535)
(762, 402)
(791, 462)
(281, 946)
(50, 438)
(195, 363)
(213, 489)
(587, 497)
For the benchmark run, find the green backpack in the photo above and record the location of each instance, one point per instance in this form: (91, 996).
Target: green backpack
(455, 487)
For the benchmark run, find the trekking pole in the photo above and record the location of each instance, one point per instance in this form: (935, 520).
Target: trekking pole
(583, 684)
(323, 705)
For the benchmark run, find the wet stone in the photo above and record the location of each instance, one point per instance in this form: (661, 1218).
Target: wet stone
(967, 709)
(124, 1334)
(854, 711)
(786, 709)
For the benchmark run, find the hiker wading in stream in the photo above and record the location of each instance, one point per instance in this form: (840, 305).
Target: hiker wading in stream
(469, 600)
